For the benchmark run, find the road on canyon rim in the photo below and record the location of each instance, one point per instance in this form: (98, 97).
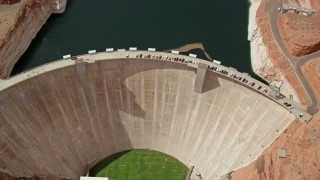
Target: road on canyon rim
(271, 8)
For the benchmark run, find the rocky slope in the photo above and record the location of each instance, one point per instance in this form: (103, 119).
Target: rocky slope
(20, 23)
(9, 2)
(266, 59)
(4, 176)
(300, 33)
(301, 142)
(311, 70)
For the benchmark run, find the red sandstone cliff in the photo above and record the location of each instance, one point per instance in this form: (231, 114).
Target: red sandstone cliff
(300, 33)
(301, 142)
(4, 176)
(280, 66)
(20, 23)
(9, 2)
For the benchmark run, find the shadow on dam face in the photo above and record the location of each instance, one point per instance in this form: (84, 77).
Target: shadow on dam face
(64, 121)
(214, 82)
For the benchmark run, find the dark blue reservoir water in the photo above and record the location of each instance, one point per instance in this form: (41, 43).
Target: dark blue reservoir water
(99, 24)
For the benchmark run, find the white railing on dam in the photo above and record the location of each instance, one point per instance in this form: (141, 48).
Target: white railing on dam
(228, 72)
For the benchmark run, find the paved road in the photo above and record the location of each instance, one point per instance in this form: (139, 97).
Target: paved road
(296, 62)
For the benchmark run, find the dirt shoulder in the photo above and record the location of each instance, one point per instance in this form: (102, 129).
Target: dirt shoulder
(301, 142)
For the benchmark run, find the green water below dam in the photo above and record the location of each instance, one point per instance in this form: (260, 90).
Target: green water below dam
(220, 25)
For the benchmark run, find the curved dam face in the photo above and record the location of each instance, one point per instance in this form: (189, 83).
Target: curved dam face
(64, 121)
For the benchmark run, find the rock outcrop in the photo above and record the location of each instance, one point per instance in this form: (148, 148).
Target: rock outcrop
(311, 70)
(300, 33)
(301, 142)
(266, 59)
(9, 2)
(16, 36)
(4, 176)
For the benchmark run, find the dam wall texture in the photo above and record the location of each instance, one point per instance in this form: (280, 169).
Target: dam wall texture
(62, 118)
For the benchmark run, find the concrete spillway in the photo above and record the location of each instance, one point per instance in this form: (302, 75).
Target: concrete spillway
(63, 121)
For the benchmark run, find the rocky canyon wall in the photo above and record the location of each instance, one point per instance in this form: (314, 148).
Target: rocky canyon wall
(262, 63)
(301, 142)
(299, 32)
(31, 16)
(9, 2)
(266, 57)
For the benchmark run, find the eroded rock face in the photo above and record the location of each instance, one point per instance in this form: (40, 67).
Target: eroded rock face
(302, 143)
(19, 26)
(311, 70)
(266, 60)
(4, 176)
(300, 33)
(31, 16)
(9, 2)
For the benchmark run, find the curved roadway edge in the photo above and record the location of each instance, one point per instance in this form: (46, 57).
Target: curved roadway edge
(271, 8)
(297, 109)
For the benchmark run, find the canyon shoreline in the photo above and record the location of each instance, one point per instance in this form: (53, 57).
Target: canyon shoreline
(16, 36)
(260, 59)
(301, 142)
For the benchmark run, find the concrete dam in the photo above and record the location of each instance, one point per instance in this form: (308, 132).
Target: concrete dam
(64, 117)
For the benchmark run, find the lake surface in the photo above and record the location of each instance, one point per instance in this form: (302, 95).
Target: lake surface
(99, 24)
